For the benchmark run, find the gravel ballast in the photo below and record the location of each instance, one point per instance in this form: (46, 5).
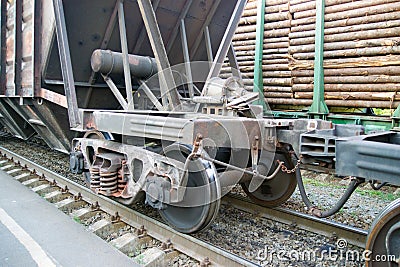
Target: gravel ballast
(251, 236)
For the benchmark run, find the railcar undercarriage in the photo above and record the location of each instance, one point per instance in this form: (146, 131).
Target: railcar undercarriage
(137, 89)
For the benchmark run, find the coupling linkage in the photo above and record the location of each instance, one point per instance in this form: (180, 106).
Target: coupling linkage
(198, 152)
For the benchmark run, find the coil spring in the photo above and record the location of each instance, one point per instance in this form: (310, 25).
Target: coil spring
(94, 177)
(108, 182)
(121, 181)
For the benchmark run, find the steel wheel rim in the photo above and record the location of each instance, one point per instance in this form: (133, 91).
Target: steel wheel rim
(389, 216)
(193, 219)
(281, 186)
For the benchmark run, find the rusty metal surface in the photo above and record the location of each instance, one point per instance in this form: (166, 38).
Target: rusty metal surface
(177, 127)
(21, 27)
(10, 49)
(53, 97)
(192, 247)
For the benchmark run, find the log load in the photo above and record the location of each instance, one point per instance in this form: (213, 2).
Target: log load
(361, 52)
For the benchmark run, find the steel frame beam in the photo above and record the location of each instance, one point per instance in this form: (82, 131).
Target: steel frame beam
(207, 39)
(151, 96)
(125, 59)
(140, 39)
(37, 45)
(18, 48)
(116, 92)
(258, 73)
(3, 21)
(233, 62)
(188, 68)
(226, 40)
(66, 65)
(167, 82)
(319, 107)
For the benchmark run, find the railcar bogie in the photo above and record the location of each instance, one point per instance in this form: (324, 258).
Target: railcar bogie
(132, 89)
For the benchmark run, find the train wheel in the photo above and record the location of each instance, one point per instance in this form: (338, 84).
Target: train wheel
(383, 240)
(276, 191)
(201, 201)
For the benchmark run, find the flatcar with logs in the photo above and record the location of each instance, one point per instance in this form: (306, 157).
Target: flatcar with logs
(167, 101)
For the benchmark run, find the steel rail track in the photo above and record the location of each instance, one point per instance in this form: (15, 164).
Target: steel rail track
(331, 229)
(190, 246)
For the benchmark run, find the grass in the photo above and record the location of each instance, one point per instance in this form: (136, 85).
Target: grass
(139, 259)
(77, 219)
(377, 194)
(316, 182)
(384, 112)
(364, 192)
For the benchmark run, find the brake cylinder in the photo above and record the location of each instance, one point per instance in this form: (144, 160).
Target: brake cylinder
(108, 62)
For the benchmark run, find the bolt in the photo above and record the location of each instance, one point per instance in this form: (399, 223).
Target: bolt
(167, 245)
(53, 183)
(334, 236)
(95, 206)
(64, 190)
(115, 218)
(141, 231)
(78, 197)
(206, 262)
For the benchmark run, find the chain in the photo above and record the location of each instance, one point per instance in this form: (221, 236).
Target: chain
(285, 169)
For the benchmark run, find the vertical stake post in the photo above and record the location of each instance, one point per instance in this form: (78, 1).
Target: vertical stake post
(319, 108)
(258, 72)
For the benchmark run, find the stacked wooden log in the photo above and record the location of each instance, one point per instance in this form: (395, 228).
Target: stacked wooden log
(361, 51)
(276, 73)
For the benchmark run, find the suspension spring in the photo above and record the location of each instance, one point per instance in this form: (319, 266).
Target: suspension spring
(121, 180)
(94, 177)
(108, 182)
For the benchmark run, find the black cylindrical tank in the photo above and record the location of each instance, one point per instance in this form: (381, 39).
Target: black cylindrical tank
(109, 62)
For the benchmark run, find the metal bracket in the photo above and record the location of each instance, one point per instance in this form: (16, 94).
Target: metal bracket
(396, 119)
(124, 46)
(188, 68)
(254, 154)
(167, 82)
(116, 92)
(66, 64)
